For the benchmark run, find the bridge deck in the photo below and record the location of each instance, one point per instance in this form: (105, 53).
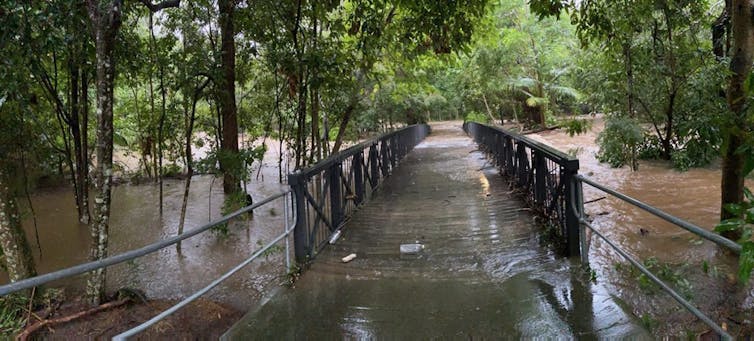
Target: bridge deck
(483, 272)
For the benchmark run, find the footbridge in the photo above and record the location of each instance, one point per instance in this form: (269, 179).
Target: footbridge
(433, 232)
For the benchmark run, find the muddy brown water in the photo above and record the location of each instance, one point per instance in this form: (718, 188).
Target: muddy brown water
(136, 222)
(694, 196)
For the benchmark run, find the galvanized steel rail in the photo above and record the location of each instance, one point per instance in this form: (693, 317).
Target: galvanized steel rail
(142, 327)
(713, 237)
(330, 191)
(128, 255)
(724, 242)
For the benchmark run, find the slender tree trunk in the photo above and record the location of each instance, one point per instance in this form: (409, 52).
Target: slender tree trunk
(190, 119)
(630, 95)
(106, 19)
(316, 154)
(733, 133)
(342, 129)
(16, 251)
(229, 145)
(81, 163)
(487, 106)
(84, 152)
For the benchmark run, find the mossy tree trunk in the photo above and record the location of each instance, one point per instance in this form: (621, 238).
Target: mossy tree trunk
(17, 257)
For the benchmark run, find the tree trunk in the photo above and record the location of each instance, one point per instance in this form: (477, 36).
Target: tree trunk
(83, 168)
(190, 119)
(733, 134)
(229, 145)
(106, 19)
(81, 163)
(342, 129)
(16, 251)
(630, 96)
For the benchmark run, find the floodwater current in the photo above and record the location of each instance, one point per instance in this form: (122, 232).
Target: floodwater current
(484, 271)
(135, 222)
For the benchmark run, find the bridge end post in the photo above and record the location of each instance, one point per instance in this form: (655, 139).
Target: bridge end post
(573, 225)
(301, 241)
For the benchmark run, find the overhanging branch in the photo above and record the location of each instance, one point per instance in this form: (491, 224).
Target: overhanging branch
(160, 5)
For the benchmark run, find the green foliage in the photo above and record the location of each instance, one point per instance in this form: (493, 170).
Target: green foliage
(742, 225)
(12, 314)
(272, 250)
(575, 126)
(668, 273)
(232, 202)
(619, 133)
(649, 322)
(474, 116)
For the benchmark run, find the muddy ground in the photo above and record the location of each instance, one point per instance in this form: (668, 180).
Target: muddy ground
(201, 320)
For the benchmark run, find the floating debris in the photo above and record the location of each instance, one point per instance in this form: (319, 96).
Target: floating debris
(348, 258)
(411, 249)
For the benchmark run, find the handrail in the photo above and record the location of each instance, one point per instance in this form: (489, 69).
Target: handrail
(142, 327)
(715, 238)
(544, 173)
(686, 304)
(548, 150)
(576, 191)
(348, 152)
(128, 255)
(328, 192)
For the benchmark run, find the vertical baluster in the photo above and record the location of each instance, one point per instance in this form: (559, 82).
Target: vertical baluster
(374, 172)
(336, 202)
(384, 150)
(358, 177)
(540, 170)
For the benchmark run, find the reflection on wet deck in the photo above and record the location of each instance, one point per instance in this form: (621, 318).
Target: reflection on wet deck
(483, 272)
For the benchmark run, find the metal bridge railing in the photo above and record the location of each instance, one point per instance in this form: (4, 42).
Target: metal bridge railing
(329, 192)
(133, 254)
(521, 159)
(544, 173)
(578, 209)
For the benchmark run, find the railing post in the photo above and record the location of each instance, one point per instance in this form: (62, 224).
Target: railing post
(375, 171)
(384, 150)
(358, 177)
(393, 149)
(540, 169)
(571, 168)
(301, 242)
(508, 156)
(336, 202)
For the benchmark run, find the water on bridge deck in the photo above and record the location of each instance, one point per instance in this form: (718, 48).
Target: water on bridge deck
(483, 272)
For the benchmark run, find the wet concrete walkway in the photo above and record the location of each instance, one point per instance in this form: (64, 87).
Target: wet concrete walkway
(483, 272)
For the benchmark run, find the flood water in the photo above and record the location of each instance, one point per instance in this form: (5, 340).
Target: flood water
(693, 195)
(136, 222)
(483, 272)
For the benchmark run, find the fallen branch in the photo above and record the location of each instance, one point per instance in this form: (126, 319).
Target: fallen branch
(594, 200)
(540, 130)
(23, 336)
